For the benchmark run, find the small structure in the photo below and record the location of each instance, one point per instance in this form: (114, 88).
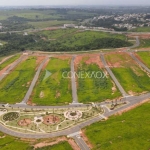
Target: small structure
(73, 115)
(69, 25)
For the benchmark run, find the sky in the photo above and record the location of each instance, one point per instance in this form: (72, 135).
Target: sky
(72, 2)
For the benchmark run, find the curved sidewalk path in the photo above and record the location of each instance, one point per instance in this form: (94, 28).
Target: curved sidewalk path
(29, 92)
(124, 94)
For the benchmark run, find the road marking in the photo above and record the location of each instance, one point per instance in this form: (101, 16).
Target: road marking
(74, 134)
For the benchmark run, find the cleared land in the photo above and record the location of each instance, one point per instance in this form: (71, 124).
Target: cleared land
(128, 131)
(60, 146)
(144, 57)
(44, 24)
(94, 87)
(129, 74)
(55, 89)
(9, 61)
(15, 85)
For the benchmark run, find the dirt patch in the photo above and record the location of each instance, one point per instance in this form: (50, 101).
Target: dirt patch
(41, 94)
(140, 35)
(86, 139)
(57, 94)
(63, 56)
(24, 122)
(51, 119)
(57, 141)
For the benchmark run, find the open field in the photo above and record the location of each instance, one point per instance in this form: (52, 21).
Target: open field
(145, 43)
(94, 88)
(53, 90)
(9, 61)
(127, 131)
(59, 146)
(10, 143)
(15, 85)
(141, 29)
(130, 76)
(144, 57)
(45, 24)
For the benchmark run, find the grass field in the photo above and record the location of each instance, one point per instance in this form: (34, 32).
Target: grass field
(145, 43)
(128, 131)
(93, 89)
(45, 24)
(145, 57)
(14, 87)
(10, 143)
(54, 90)
(141, 29)
(131, 77)
(59, 146)
(9, 61)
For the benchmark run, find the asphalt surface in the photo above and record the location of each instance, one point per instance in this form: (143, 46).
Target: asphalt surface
(113, 76)
(73, 82)
(139, 62)
(11, 68)
(29, 92)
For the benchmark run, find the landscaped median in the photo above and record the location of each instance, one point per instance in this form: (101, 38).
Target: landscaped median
(133, 79)
(15, 85)
(52, 88)
(46, 120)
(93, 82)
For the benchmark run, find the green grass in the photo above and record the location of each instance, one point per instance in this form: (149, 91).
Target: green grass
(59, 146)
(141, 29)
(130, 76)
(44, 24)
(9, 61)
(95, 89)
(14, 86)
(56, 90)
(144, 43)
(128, 131)
(145, 57)
(10, 143)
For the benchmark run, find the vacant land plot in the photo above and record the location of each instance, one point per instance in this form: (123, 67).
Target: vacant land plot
(93, 85)
(59, 146)
(131, 77)
(145, 43)
(15, 85)
(128, 131)
(52, 88)
(144, 57)
(9, 61)
(141, 29)
(44, 24)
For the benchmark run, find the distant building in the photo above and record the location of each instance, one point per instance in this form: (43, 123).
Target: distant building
(69, 25)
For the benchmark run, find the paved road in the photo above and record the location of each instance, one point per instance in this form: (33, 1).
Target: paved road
(139, 62)
(80, 142)
(76, 128)
(113, 76)
(137, 43)
(29, 92)
(11, 68)
(73, 82)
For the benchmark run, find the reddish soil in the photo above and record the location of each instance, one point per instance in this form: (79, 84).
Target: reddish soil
(144, 49)
(24, 122)
(63, 57)
(57, 141)
(117, 62)
(140, 35)
(51, 119)
(91, 59)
